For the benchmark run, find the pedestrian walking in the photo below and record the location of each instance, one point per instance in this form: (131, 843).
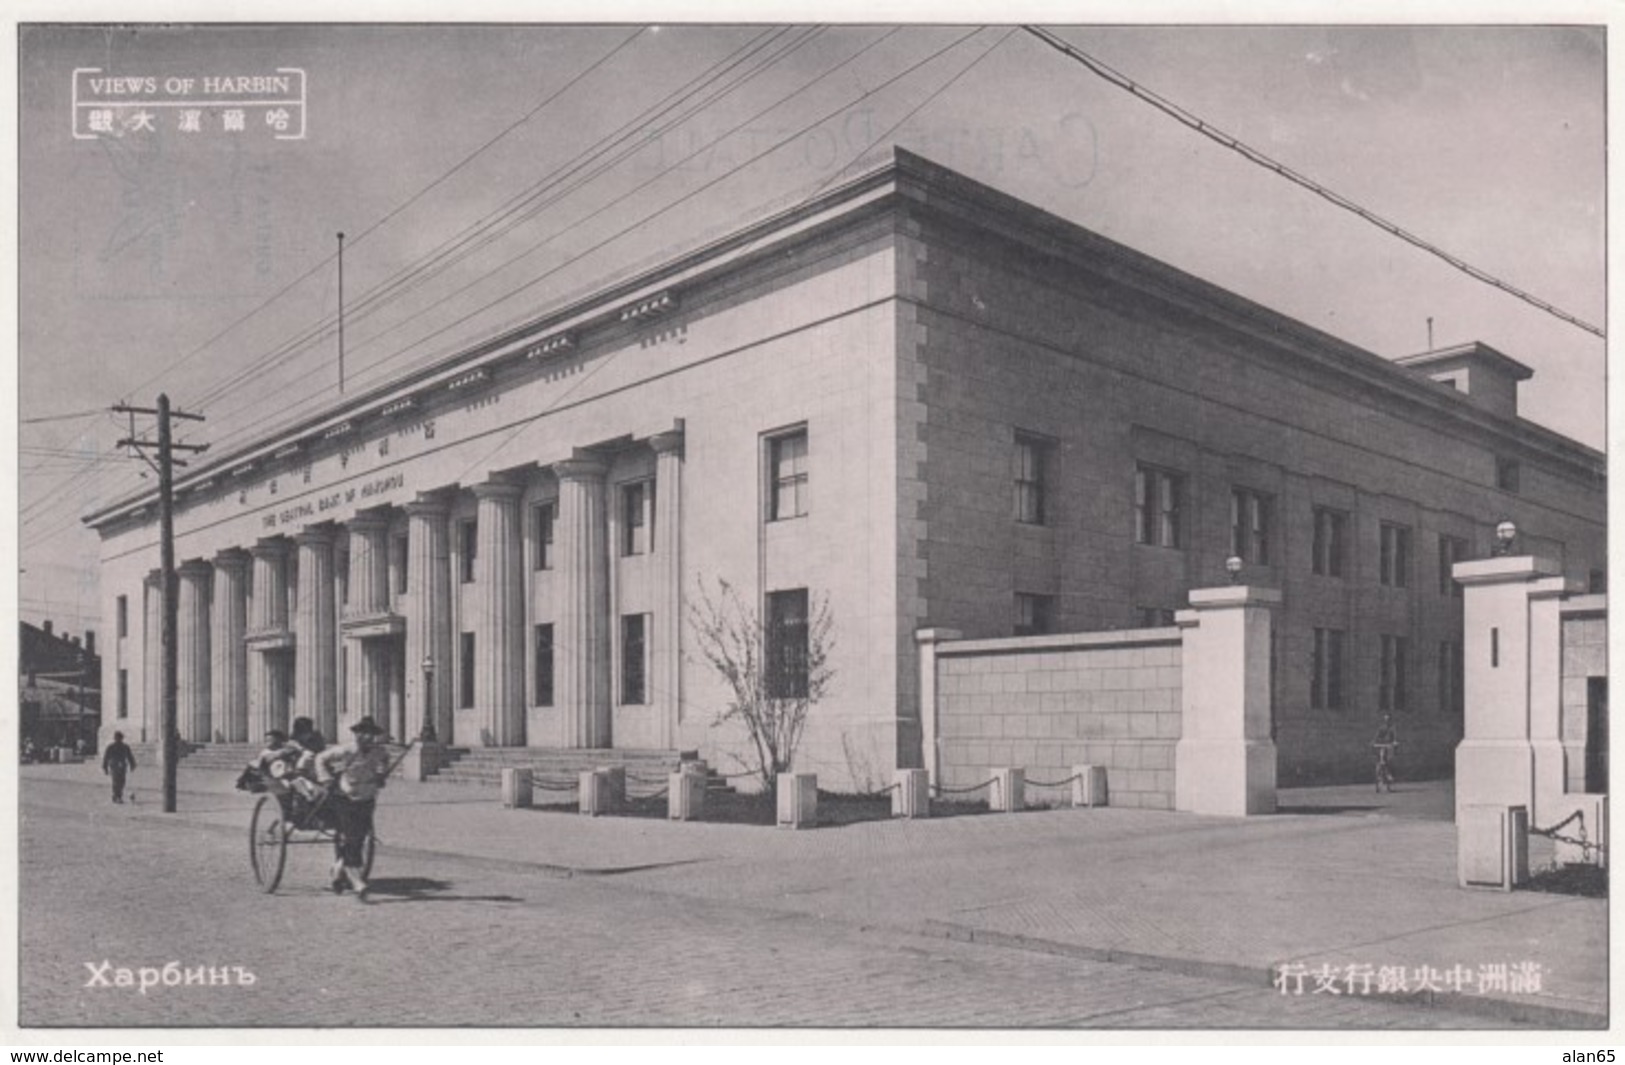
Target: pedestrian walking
(116, 762)
(353, 774)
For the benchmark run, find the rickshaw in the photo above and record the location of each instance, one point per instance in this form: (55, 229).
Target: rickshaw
(286, 814)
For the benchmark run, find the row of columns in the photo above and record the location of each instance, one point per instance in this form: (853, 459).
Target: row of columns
(234, 618)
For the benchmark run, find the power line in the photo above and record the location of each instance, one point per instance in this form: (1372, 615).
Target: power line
(514, 212)
(570, 260)
(284, 290)
(1252, 154)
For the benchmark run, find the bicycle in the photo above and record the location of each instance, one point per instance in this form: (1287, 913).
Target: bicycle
(1385, 762)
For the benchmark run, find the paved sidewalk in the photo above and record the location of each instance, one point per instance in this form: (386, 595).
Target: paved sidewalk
(1346, 879)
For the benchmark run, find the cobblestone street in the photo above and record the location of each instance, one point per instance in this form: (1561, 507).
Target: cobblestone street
(476, 941)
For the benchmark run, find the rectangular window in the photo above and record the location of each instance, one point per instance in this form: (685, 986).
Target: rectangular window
(1452, 678)
(1030, 460)
(634, 659)
(1250, 520)
(787, 644)
(397, 562)
(123, 693)
(1158, 495)
(541, 522)
(466, 539)
(637, 500)
(1330, 526)
(123, 619)
(1394, 569)
(1452, 549)
(1597, 582)
(1033, 614)
(543, 680)
(465, 671)
(1155, 617)
(1507, 474)
(1326, 670)
(1391, 686)
(787, 476)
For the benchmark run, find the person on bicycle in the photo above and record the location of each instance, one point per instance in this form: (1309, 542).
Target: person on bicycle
(1386, 743)
(353, 774)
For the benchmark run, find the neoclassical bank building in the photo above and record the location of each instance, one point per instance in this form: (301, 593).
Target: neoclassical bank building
(912, 398)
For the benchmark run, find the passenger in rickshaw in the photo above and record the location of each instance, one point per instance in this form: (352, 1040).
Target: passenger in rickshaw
(272, 771)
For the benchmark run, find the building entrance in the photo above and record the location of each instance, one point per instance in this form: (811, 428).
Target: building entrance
(1597, 735)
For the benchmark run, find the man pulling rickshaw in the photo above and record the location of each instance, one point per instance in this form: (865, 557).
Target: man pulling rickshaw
(331, 793)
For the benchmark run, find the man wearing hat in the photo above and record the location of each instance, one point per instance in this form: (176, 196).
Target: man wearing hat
(353, 774)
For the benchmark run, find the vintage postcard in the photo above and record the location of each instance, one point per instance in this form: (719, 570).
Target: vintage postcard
(1059, 525)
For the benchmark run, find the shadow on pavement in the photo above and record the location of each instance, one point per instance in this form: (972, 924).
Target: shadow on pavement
(424, 889)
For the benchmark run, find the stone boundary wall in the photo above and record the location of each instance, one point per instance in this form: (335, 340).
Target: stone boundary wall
(1048, 703)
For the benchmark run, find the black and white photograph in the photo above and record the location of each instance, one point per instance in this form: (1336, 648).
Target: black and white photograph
(1091, 523)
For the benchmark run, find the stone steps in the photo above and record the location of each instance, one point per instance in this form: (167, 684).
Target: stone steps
(482, 767)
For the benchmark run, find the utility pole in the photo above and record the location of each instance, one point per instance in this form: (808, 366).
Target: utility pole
(341, 314)
(169, 742)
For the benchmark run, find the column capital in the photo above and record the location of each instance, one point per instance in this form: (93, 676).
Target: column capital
(669, 441)
(274, 548)
(155, 577)
(232, 558)
(428, 506)
(321, 535)
(497, 490)
(368, 520)
(195, 567)
(581, 468)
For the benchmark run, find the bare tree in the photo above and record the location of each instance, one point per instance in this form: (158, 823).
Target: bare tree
(776, 668)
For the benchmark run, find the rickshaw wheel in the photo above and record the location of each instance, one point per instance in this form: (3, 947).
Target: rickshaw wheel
(267, 843)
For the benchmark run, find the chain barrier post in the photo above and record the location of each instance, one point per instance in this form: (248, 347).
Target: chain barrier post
(911, 795)
(516, 788)
(1088, 785)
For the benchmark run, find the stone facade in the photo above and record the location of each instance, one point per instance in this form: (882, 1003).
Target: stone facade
(914, 330)
(1050, 703)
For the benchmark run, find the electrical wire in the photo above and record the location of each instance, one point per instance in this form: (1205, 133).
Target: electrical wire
(1253, 155)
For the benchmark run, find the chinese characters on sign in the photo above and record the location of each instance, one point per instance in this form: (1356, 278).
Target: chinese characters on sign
(1514, 978)
(236, 105)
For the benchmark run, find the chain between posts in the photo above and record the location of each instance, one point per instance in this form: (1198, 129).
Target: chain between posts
(887, 790)
(1055, 783)
(940, 790)
(1585, 845)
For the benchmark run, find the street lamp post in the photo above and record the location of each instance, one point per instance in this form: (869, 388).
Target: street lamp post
(427, 733)
(1506, 536)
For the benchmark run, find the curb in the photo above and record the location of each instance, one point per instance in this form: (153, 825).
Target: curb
(1508, 1011)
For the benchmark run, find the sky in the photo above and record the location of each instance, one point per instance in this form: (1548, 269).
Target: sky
(202, 263)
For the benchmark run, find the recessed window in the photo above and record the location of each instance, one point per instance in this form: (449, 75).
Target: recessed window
(1452, 549)
(397, 562)
(123, 618)
(541, 522)
(466, 540)
(787, 644)
(1251, 519)
(543, 693)
(1507, 474)
(123, 693)
(1597, 582)
(787, 476)
(1330, 534)
(1391, 687)
(1034, 614)
(465, 672)
(1394, 561)
(634, 659)
(1155, 617)
(1452, 678)
(637, 505)
(1158, 502)
(1031, 456)
(1326, 670)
